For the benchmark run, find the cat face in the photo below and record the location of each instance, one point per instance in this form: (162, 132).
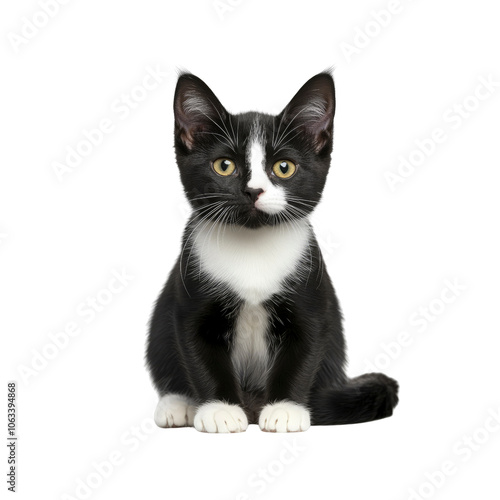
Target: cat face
(253, 169)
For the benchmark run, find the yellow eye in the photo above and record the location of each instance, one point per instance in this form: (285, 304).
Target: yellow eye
(284, 169)
(223, 166)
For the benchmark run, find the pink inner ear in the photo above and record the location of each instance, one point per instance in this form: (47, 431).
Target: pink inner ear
(317, 121)
(322, 140)
(185, 130)
(195, 108)
(188, 117)
(187, 138)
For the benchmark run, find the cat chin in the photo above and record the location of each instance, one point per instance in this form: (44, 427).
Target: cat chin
(256, 223)
(258, 219)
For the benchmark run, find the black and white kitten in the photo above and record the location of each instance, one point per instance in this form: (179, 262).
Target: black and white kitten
(248, 327)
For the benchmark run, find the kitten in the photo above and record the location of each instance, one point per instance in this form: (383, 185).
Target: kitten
(248, 328)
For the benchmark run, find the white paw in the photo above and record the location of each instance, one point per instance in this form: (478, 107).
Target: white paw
(174, 410)
(217, 416)
(284, 416)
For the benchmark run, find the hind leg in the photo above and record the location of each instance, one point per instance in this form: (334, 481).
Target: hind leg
(175, 410)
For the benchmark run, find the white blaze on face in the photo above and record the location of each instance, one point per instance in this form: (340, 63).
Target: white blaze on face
(273, 199)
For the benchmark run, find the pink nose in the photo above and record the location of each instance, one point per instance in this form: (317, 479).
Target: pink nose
(253, 193)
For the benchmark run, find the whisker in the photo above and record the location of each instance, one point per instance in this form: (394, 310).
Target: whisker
(235, 138)
(211, 195)
(219, 135)
(203, 219)
(215, 222)
(280, 138)
(233, 146)
(223, 123)
(206, 222)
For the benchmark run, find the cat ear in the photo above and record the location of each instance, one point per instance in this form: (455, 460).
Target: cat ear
(312, 110)
(196, 108)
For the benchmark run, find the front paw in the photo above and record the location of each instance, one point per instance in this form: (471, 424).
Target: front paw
(174, 410)
(284, 416)
(217, 416)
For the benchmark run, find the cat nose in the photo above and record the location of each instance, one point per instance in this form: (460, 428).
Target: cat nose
(253, 193)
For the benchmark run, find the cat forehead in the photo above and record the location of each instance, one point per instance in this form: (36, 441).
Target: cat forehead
(253, 139)
(250, 124)
(254, 128)
(257, 136)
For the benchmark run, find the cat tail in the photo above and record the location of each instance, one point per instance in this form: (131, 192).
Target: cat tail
(362, 399)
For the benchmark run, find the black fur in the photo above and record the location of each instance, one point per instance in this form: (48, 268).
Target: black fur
(189, 345)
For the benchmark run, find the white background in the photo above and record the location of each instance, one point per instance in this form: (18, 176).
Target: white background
(389, 252)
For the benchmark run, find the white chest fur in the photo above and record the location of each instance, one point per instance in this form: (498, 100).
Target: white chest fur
(249, 352)
(253, 263)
